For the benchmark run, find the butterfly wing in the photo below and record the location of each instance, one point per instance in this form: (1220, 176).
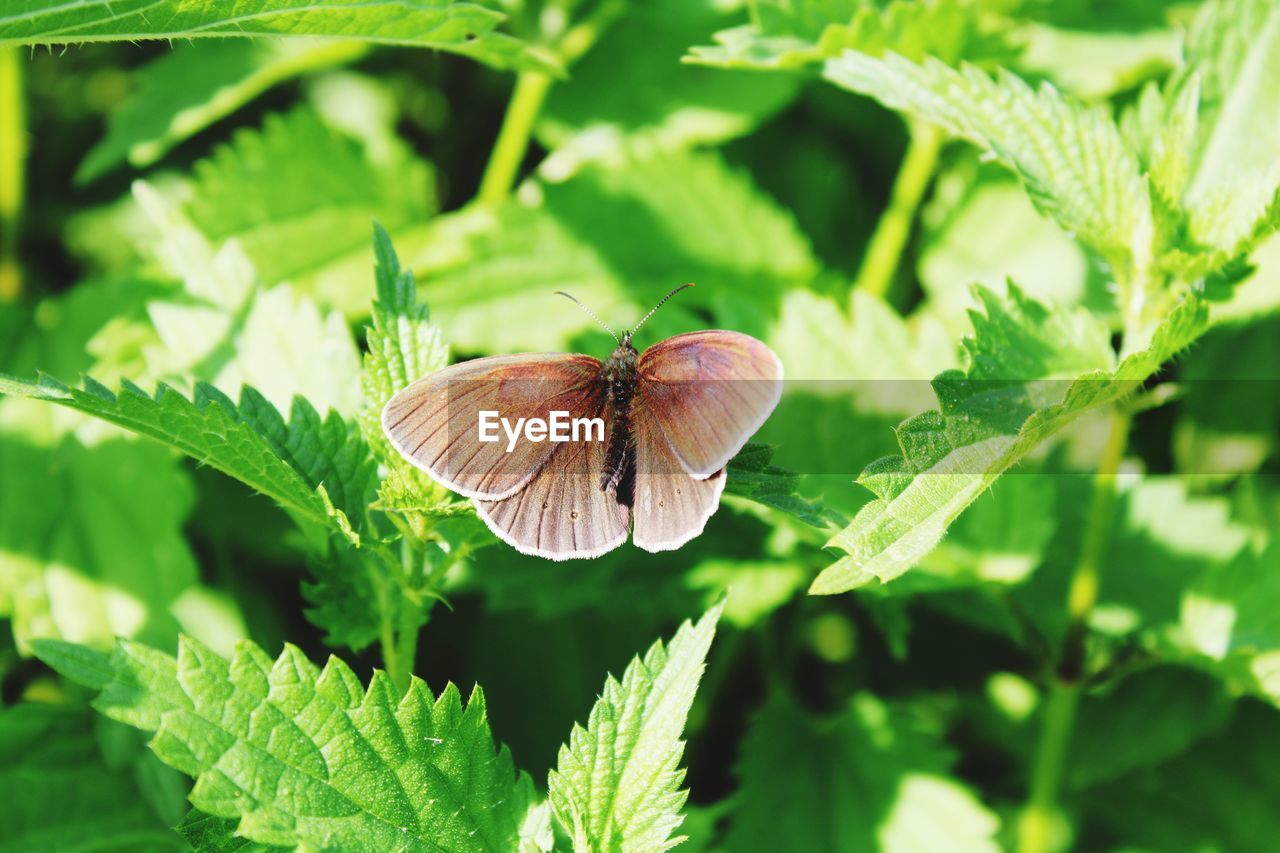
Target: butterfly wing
(670, 506)
(435, 421)
(708, 393)
(562, 513)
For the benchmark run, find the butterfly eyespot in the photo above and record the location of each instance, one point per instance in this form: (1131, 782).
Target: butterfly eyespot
(660, 503)
(677, 491)
(573, 515)
(546, 505)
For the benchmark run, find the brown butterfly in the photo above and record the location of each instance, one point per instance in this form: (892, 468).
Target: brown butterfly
(666, 421)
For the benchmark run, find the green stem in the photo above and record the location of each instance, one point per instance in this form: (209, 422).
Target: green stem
(884, 251)
(13, 152)
(526, 102)
(513, 139)
(1038, 828)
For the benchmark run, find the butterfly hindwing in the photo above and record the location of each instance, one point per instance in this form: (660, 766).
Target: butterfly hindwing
(670, 507)
(562, 513)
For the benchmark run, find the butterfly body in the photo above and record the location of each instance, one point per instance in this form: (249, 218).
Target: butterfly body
(619, 377)
(674, 415)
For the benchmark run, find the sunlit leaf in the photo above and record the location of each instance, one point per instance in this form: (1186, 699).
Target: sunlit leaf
(669, 106)
(185, 91)
(1031, 373)
(790, 35)
(617, 237)
(1071, 158)
(457, 27)
(298, 197)
(59, 791)
(863, 779)
(338, 764)
(616, 785)
(292, 463)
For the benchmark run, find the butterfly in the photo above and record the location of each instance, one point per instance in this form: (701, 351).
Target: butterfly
(667, 421)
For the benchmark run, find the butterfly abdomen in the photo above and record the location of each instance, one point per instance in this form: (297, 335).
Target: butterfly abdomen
(619, 377)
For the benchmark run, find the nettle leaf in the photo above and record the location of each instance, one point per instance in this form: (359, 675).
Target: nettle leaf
(297, 196)
(751, 476)
(989, 233)
(1220, 794)
(404, 345)
(316, 468)
(617, 236)
(210, 834)
(1072, 158)
(1142, 720)
(1229, 421)
(668, 105)
(310, 757)
(1094, 59)
(220, 325)
(195, 85)
(1233, 59)
(1228, 623)
(91, 546)
(795, 35)
(865, 779)
(616, 785)
(1032, 372)
(456, 27)
(59, 793)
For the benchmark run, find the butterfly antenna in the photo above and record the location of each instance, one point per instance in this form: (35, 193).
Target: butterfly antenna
(661, 302)
(590, 313)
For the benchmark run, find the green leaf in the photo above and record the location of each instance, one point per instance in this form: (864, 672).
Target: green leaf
(1031, 373)
(195, 85)
(990, 233)
(287, 462)
(617, 236)
(1220, 795)
(91, 546)
(456, 27)
(864, 779)
(60, 794)
(222, 327)
(1146, 718)
(297, 195)
(210, 834)
(616, 785)
(798, 34)
(1096, 63)
(1233, 58)
(669, 105)
(1228, 623)
(1072, 158)
(403, 344)
(304, 756)
(751, 476)
(1229, 420)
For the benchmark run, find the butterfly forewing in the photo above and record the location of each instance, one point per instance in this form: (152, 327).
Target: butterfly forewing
(670, 506)
(435, 421)
(708, 392)
(562, 513)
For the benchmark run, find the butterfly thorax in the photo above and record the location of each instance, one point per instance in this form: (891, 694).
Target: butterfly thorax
(619, 377)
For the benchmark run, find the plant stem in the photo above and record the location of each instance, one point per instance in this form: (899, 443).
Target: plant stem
(1037, 827)
(526, 102)
(13, 152)
(884, 250)
(513, 139)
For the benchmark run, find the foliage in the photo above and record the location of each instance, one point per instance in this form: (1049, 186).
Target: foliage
(1000, 572)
